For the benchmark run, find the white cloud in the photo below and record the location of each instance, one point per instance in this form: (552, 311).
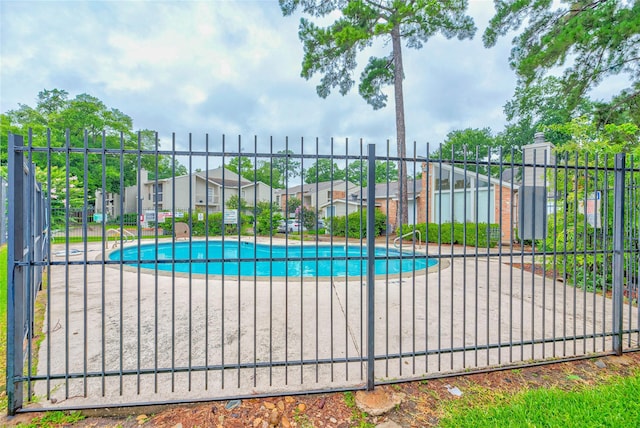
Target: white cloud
(234, 68)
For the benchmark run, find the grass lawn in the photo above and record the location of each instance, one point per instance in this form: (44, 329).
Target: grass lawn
(3, 326)
(614, 403)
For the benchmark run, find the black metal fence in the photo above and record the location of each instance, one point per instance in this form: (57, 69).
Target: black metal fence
(199, 283)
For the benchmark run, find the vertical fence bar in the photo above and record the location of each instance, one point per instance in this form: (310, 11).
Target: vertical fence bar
(15, 292)
(371, 259)
(618, 250)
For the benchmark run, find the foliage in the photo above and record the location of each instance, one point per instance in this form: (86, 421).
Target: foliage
(241, 166)
(482, 235)
(323, 170)
(267, 223)
(272, 173)
(473, 145)
(268, 174)
(355, 224)
(213, 225)
(586, 138)
(309, 218)
(356, 172)
(292, 204)
(58, 121)
(268, 207)
(237, 203)
(386, 171)
(285, 168)
(61, 195)
(590, 40)
(585, 167)
(332, 51)
(127, 219)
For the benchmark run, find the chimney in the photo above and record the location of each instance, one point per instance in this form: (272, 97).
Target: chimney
(540, 153)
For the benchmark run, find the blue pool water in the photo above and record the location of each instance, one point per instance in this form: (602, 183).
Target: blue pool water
(233, 258)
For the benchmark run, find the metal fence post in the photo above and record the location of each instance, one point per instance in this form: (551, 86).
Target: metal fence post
(618, 251)
(371, 262)
(15, 286)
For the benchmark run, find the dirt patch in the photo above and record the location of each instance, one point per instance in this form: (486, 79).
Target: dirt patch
(423, 406)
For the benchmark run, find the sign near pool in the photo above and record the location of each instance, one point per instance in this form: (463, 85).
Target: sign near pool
(231, 217)
(150, 216)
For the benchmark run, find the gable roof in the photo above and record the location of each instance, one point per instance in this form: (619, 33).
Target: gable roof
(316, 187)
(391, 189)
(473, 174)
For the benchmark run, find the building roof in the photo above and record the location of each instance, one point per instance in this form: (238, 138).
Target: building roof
(316, 187)
(391, 189)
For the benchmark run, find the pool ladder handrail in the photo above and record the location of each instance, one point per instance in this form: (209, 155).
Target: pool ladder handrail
(129, 236)
(413, 232)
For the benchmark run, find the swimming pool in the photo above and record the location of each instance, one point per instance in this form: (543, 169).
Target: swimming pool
(261, 260)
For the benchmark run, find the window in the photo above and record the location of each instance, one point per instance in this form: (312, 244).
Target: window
(158, 192)
(442, 183)
(461, 182)
(483, 183)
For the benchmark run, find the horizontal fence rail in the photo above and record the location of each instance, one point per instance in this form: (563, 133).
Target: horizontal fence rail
(226, 269)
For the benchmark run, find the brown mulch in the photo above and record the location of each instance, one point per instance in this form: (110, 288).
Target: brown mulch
(424, 405)
(539, 270)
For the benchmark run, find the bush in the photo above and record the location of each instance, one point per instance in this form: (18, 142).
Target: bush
(214, 223)
(130, 219)
(267, 223)
(463, 233)
(357, 224)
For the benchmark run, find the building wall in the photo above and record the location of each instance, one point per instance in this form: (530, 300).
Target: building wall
(502, 199)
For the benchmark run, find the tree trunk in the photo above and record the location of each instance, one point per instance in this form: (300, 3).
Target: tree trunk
(403, 200)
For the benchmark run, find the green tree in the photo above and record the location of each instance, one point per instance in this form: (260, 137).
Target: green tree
(323, 170)
(386, 171)
(293, 204)
(266, 173)
(469, 144)
(332, 50)
(287, 168)
(593, 149)
(242, 166)
(356, 172)
(57, 118)
(60, 196)
(237, 203)
(536, 107)
(591, 40)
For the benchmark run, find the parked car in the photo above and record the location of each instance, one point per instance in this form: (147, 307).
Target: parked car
(291, 225)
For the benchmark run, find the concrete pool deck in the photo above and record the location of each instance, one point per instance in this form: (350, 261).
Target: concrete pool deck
(101, 318)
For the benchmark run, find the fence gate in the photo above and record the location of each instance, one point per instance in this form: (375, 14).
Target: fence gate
(145, 276)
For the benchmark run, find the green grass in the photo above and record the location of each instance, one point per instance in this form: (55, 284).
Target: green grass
(54, 419)
(614, 403)
(3, 325)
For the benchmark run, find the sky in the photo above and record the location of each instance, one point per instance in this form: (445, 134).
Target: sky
(233, 68)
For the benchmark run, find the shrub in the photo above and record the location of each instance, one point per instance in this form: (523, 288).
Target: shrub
(357, 224)
(267, 223)
(130, 219)
(214, 223)
(463, 233)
